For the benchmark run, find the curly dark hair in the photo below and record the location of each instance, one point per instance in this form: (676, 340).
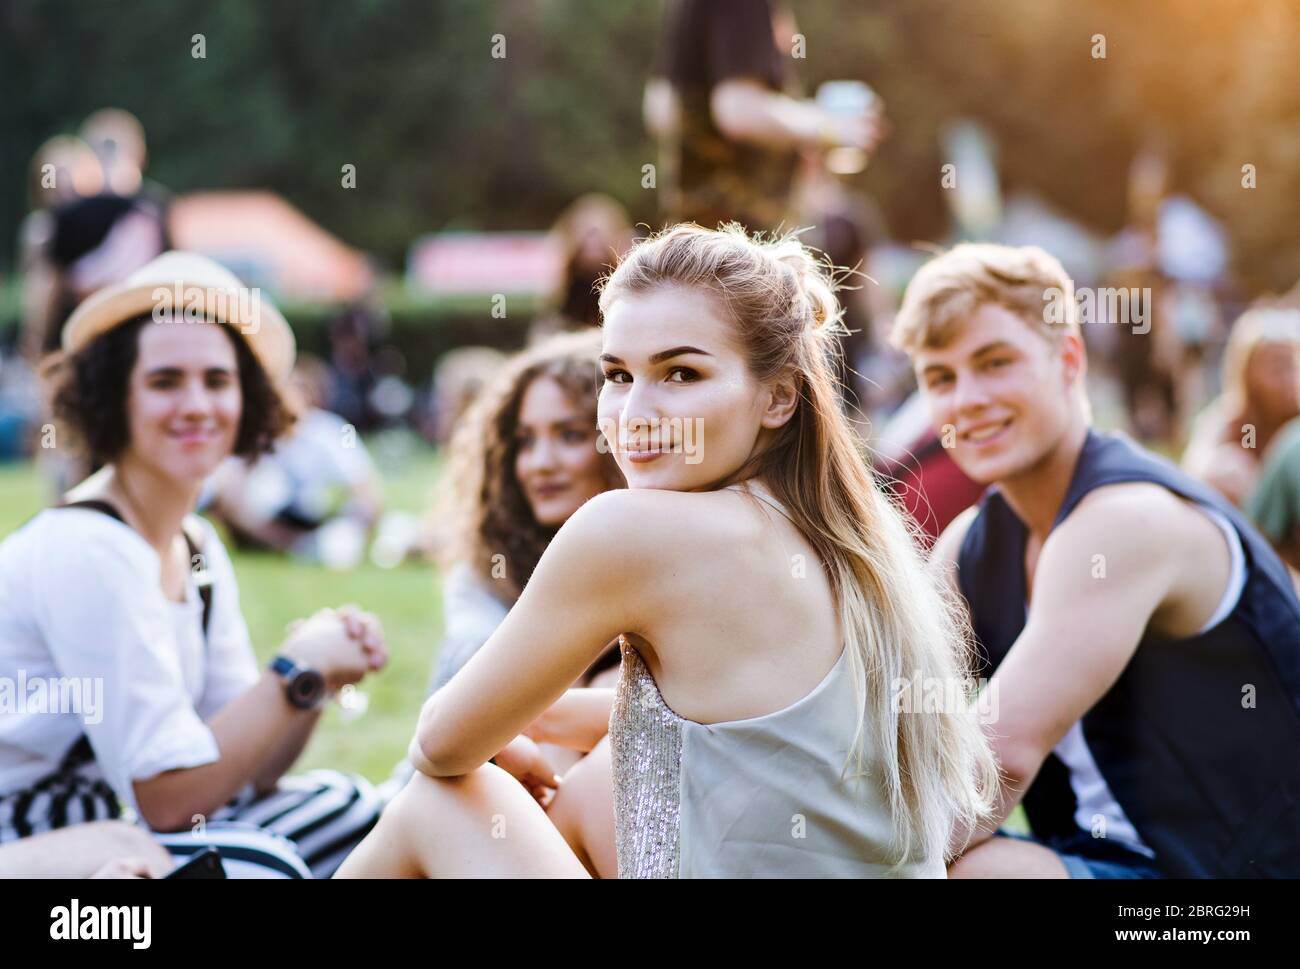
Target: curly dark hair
(89, 393)
(488, 508)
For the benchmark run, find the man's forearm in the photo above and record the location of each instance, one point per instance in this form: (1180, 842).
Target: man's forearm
(1017, 768)
(965, 836)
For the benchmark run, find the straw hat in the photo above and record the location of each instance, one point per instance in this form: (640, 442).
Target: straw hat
(188, 287)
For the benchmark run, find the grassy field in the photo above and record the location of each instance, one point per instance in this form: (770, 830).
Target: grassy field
(274, 591)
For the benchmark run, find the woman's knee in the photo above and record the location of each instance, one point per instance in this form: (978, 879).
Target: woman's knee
(1000, 857)
(425, 798)
(481, 824)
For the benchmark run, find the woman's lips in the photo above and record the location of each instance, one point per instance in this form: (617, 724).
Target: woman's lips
(550, 490)
(645, 457)
(194, 436)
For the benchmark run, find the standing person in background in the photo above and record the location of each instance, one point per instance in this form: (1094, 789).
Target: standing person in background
(590, 235)
(63, 170)
(717, 99)
(1147, 358)
(846, 225)
(97, 238)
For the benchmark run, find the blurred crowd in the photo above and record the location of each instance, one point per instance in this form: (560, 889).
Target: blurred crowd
(1186, 360)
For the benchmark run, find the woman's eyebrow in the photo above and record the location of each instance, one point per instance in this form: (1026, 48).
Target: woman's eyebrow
(169, 371)
(661, 356)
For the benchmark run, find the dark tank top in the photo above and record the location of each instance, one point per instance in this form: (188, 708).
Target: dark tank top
(1199, 738)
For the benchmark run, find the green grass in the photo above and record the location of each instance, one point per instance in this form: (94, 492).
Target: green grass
(275, 590)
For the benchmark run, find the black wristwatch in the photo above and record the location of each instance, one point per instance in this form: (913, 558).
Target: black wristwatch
(304, 687)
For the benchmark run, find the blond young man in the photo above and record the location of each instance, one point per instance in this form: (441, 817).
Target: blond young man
(1143, 639)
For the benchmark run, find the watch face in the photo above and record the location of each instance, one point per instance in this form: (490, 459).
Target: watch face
(307, 688)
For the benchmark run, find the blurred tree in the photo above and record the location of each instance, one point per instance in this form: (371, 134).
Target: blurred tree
(442, 134)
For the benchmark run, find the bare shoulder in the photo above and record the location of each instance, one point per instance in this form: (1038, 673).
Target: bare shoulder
(634, 549)
(1141, 529)
(1171, 556)
(675, 518)
(1139, 514)
(636, 531)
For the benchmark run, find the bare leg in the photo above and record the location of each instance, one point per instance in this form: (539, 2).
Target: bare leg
(80, 850)
(1008, 858)
(481, 825)
(560, 758)
(583, 811)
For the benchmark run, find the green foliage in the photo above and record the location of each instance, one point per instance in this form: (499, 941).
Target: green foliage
(443, 135)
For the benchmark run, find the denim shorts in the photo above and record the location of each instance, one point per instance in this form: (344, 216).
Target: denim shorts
(1087, 857)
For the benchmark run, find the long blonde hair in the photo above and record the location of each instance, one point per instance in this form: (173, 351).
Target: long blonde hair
(938, 769)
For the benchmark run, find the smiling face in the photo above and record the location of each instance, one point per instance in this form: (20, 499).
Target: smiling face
(1000, 392)
(557, 463)
(183, 400)
(679, 405)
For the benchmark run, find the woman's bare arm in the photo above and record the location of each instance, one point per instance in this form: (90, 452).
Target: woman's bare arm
(588, 588)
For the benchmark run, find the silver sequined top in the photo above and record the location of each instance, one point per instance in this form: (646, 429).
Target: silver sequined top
(646, 749)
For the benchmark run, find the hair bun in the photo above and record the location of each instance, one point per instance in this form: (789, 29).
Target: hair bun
(816, 288)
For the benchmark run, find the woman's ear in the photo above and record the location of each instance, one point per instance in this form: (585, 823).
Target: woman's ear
(782, 397)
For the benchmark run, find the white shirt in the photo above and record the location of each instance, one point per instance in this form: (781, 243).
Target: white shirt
(81, 599)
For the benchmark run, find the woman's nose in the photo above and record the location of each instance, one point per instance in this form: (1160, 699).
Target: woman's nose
(196, 398)
(641, 406)
(539, 455)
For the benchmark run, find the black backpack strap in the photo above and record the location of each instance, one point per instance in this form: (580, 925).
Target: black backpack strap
(202, 578)
(94, 505)
(78, 755)
(198, 564)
